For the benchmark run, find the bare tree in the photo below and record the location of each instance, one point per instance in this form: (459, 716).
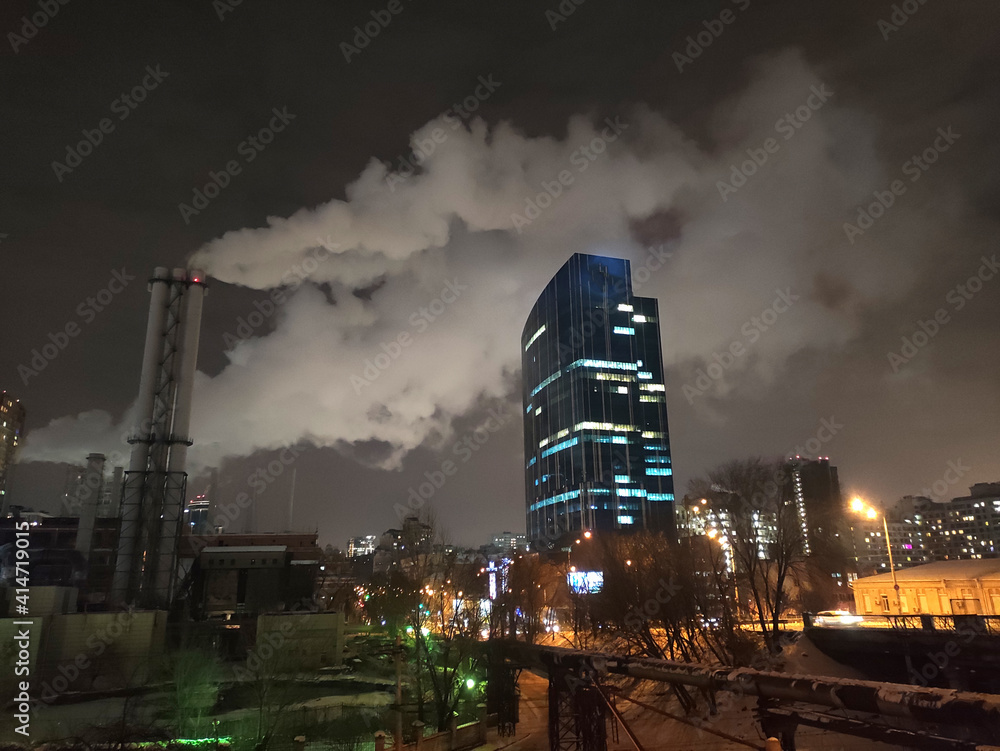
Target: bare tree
(760, 527)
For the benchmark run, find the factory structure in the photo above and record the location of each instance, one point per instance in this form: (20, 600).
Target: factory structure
(154, 486)
(130, 553)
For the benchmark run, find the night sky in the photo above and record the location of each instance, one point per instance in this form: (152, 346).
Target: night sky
(725, 166)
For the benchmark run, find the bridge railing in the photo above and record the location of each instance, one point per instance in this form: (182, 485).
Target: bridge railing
(982, 624)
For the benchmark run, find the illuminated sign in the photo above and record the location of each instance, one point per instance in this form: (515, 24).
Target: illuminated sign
(583, 582)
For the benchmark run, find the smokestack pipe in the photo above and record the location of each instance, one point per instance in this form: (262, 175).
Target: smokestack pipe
(185, 365)
(134, 485)
(90, 497)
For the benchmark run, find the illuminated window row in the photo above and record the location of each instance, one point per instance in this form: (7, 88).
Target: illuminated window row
(662, 471)
(609, 364)
(631, 492)
(554, 437)
(660, 496)
(652, 434)
(546, 382)
(615, 377)
(617, 427)
(625, 307)
(534, 336)
(652, 399)
(626, 520)
(568, 496)
(639, 318)
(645, 375)
(529, 408)
(560, 447)
(533, 460)
(623, 478)
(627, 330)
(652, 387)
(619, 439)
(657, 459)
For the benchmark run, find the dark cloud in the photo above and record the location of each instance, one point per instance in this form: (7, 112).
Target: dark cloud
(326, 178)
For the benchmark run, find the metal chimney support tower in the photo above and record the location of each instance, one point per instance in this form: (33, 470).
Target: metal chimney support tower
(152, 504)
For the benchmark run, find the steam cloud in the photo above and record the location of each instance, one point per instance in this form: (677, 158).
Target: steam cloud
(430, 277)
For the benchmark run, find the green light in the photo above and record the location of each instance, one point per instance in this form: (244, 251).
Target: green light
(470, 683)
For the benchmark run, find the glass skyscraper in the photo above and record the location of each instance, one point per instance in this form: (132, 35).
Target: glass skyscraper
(596, 448)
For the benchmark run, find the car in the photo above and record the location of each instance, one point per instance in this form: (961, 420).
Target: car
(836, 618)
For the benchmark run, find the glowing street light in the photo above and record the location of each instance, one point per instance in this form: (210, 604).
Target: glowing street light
(858, 506)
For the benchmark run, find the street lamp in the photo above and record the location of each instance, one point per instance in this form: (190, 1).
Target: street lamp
(858, 506)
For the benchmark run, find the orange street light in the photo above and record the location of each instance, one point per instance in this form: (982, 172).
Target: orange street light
(858, 506)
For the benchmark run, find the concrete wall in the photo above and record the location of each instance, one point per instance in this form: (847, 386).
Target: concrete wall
(303, 640)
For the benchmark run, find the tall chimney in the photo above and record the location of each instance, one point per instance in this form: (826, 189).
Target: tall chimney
(91, 489)
(154, 484)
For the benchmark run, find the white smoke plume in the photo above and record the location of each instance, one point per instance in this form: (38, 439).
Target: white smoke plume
(449, 270)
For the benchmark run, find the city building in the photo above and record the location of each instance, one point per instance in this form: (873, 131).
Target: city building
(596, 445)
(905, 522)
(11, 431)
(505, 541)
(965, 527)
(358, 546)
(820, 505)
(196, 515)
(923, 530)
(970, 587)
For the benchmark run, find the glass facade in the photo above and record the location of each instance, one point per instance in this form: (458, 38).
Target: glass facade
(596, 447)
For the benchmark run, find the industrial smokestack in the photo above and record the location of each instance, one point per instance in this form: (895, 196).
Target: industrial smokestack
(154, 486)
(115, 493)
(91, 489)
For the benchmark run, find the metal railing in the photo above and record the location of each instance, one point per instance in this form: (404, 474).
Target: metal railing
(981, 624)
